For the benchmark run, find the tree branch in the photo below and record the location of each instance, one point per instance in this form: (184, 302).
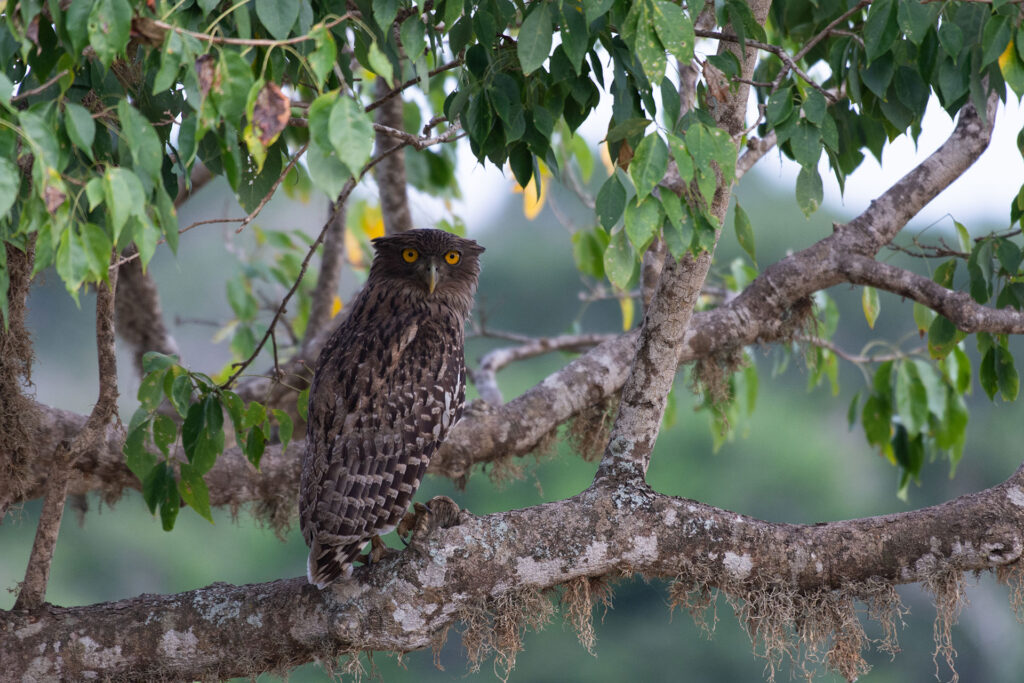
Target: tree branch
(331, 261)
(966, 313)
(484, 377)
(658, 352)
(488, 567)
(37, 574)
(389, 122)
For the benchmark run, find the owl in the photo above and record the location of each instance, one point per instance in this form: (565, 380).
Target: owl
(389, 384)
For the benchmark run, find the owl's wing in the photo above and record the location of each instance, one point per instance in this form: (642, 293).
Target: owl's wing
(370, 441)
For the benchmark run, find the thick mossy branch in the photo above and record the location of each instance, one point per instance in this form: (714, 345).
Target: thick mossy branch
(792, 586)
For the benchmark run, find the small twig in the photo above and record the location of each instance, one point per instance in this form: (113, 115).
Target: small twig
(851, 357)
(485, 377)
(817, 39)
(273, 188)
(240, 367)
(787, 60)
(37, 573)
(756, 148)
(455, 63)
(251, 42)
(38, 89)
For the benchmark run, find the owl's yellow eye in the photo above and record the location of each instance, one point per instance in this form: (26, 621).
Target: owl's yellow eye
(410, 255)
(452, 257)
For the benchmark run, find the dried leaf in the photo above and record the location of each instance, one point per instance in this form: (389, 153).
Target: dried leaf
(206, 69)
(271, 113)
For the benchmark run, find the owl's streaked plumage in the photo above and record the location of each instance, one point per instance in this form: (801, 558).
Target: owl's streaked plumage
(389, 384)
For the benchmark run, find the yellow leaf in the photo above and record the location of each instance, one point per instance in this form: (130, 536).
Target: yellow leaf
(1007, 55)
(372, 222)
(353, 252)
(870, 304)
(627, 306)
(336, 305)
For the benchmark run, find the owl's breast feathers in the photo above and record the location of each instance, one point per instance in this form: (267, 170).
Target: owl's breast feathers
(389, 385)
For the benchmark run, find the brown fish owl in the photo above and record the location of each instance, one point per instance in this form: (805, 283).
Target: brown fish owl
(389, 384)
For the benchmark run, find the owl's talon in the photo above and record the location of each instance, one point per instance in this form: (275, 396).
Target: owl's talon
(440, 512)
(378, 551)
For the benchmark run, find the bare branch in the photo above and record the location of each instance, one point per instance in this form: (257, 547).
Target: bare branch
(485, 377)
(756, 149)
(250, 42)
(33, 590)
(408, 600)
(966, 313)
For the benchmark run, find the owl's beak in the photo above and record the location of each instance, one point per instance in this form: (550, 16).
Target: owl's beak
(431, 277)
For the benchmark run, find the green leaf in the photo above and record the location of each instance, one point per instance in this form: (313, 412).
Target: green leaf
(649, 164)
(165, 431)
(815, 107)
(10, 180)
(124, 197)
(151, 390)
(951, 37)
(236, 409)
(181, 393)
(534, 41)
(987, 376)
(1008, 254)
(351, 133)
(136, 457)
(146, 150)
(575, 37)
(412, 33)
(619, 260)
(869, 302)
(916, 18)
(322, 59)
(643, 220)
(941, 337)
(241, 299)
(935, 388)
(611, 202)
(284, 427)
(302, 404)
(675, 29)
(81, 129)
(255, 415)
(1006, 374)
(923, 318)
(648, 48)
(809, 190)
(194, 492)
(980, 271)
(254, 446)
(154, 485)
(109, 25)
(744, 232)
(963, 371)
(278, 16)
(880, 29)
(588, 247)
(805, 141)
(380, 64)
(994, 38)
(154, 360)
(877, 420)
(171, 58)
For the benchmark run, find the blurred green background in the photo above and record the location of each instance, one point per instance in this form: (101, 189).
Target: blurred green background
(795, 460)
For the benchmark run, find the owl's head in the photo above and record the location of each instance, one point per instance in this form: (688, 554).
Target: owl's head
(429, 263)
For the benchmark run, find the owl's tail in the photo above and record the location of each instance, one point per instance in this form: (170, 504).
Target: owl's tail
(327, 564)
